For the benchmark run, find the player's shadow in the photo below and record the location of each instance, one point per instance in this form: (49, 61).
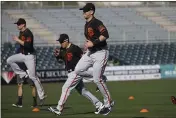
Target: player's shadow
(49, 105)
(46, 109)
(138, 117)
(89, 112)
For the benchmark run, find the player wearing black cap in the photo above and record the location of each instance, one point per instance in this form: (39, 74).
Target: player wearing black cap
(97, 53)
(26, 56)
(71, 54)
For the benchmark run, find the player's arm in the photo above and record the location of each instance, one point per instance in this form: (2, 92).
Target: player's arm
(103, 33)
(58, 54)
(26, 43)
(18, 40)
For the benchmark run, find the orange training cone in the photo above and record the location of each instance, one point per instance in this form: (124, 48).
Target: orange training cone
(36, 110)
(131, 98)
(144, 111)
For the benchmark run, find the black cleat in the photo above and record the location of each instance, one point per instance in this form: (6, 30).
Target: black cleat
(17, 105)
(99, 109)
(106, 111)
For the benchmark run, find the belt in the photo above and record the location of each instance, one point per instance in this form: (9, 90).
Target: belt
(27, 53)
(70, 70)
(97, 49)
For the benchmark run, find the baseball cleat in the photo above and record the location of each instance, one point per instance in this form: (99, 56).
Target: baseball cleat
(106, 111)
(34, 105)
(54, 110)
(17, 105)
(99, 109)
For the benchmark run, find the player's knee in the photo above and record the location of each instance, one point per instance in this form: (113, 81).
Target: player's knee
(78, 71)
(32, 77)
(9, 60)
(20, 85)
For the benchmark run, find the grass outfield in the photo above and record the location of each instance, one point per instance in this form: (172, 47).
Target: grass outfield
(153, 95)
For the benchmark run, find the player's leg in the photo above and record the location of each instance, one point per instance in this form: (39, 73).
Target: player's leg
(34, 92)
(13, 60)
(82, 66)
(100, 60)
(84, 92)
(30, 63)
(19, 102)
(104, 78)
(69, 85)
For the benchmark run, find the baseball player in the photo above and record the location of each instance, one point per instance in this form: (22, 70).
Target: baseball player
(20, 82)
(97, 54)
(26, 56)
(71, 54)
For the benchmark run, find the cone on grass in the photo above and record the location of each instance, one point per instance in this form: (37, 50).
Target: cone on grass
(36, 110)
(131, 98)
(144, 111)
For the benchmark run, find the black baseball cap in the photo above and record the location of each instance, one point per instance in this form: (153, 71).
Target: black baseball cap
(20, 21)
(88, 7)
(63, 37)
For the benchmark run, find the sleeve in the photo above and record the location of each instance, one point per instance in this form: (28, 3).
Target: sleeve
(28, 41)
(102, 29)
(78, 51)
(61, 54)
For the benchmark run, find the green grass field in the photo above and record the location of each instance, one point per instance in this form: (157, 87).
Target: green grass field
(153, 95)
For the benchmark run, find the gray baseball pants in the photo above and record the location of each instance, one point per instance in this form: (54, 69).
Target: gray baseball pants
(75, 81)
(29, 61)
(98, 61)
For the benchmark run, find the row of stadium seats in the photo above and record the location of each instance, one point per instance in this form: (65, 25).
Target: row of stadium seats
(124, 24)
(144, 54)
(131, 54)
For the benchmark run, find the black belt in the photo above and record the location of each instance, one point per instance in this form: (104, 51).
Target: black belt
(27, 53)
(94, 49)
(70, 70)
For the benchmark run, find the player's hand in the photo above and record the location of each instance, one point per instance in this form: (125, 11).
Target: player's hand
(89, 44)
(85, 48)
(56, 52)
(15, 38)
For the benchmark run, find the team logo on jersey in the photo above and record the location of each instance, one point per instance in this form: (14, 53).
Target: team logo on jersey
(101, 28)
(69, 56)
(90, 32)
(22, 38)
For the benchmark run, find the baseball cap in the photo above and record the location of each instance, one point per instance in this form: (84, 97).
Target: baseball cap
(63, 37)
(88, 7)
(20, 21)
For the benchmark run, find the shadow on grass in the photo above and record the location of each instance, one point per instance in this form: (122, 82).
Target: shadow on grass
(46, 108)
(48, 105)
(139, 117)
(89, 112)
